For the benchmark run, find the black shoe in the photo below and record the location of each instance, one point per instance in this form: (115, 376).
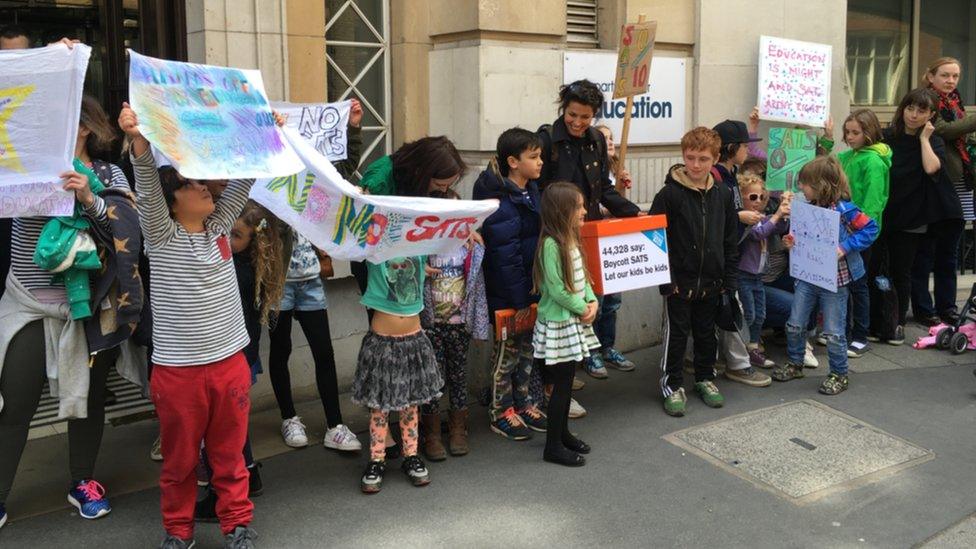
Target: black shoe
(394, 452)
(577, 446)
(206, 508)
(255, 486)
(416, 471)
(241, 538)
(929, 320)
(372, 480)
(949, 317)
(569, 458)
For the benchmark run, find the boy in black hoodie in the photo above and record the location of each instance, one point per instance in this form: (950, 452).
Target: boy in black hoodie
(703, 253)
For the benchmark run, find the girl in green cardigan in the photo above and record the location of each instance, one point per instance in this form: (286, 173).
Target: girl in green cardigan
(866, 165)
(563, 334)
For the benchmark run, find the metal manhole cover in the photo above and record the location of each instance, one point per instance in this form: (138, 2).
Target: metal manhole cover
(801, 450)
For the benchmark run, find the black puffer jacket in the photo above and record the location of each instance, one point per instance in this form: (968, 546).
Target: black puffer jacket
(702, 234)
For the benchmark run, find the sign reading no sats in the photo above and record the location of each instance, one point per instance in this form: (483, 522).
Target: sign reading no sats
(626, 254)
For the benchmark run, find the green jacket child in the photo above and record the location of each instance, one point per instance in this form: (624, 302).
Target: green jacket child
(867, 173)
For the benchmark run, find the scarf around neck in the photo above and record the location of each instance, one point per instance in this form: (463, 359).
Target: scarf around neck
(951, 109)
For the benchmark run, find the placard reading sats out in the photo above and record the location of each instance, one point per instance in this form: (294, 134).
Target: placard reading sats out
(626, 254)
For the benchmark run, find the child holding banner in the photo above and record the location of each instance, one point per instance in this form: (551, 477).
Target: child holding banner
(824, 184)
(200, 383)
(563, 334)
(866, 165)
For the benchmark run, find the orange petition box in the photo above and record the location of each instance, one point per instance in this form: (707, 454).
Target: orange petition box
(626, 254)
(506, 326)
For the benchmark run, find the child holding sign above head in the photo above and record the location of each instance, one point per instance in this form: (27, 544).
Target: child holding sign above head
(866, 165)
(824, 184)
(201, 378)
(703, 253)
(753, 257)
(563, 334)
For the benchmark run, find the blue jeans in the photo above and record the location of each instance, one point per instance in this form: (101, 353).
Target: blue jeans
(833, 306)
(937, 254)
(779, 303)
(860, 309)
(304, 295)
(752, 295)
(605, 324)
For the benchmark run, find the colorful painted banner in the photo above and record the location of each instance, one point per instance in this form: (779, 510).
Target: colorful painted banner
(338, 218)
(324, 125)
(816, 232)
(634, 59)
(212, 122)
(794, 81)
(788, 151)
(40, 105)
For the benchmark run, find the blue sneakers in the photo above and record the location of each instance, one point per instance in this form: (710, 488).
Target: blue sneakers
(594, 366)
(89, 497)
(3, 515)
(614, 359)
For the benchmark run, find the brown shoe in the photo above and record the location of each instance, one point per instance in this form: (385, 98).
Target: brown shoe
(457, 439)
(433, 447)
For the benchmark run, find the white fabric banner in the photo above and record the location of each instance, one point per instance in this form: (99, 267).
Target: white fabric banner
(211, 122)
(324, 125)
(338, 218)
(40, 105)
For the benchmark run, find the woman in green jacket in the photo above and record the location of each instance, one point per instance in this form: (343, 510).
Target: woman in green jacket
(938, 250)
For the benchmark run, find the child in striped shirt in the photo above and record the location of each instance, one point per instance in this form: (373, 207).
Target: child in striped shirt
(563, 334)
(201, 379)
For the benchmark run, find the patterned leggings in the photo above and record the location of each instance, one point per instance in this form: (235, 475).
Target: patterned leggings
(379, 426)
(450, 342)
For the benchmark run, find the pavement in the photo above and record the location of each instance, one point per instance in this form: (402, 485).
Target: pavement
(902, 477)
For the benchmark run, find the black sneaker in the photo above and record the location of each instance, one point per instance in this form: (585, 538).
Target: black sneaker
(173, 542)
(416, 470)
(899, 337)
(255, 486)
(372, 480)
(206, 508)
(949, 317)
(241, 538)
(511, 426)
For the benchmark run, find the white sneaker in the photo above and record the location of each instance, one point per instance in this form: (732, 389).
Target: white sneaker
(293, 431)
(341, 438)
(810, 361)
(575, 410)
(156, 452)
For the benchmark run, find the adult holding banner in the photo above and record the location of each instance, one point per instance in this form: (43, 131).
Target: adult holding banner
(575, 151)
(39, 311)
(939, 248)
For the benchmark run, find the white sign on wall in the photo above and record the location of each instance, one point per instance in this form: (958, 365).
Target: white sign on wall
(658, 116)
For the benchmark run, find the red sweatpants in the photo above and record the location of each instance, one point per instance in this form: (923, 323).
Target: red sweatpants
(207, 403)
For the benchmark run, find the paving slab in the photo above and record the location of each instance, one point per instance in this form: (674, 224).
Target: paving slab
(785, 449)
(959, 536)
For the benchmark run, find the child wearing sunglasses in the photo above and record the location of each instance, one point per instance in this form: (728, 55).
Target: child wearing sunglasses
(753, 255)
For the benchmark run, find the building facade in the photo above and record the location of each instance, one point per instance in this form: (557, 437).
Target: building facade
(469, 69)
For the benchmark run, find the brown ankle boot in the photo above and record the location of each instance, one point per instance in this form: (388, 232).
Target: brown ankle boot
(433, 447)
(458, 432)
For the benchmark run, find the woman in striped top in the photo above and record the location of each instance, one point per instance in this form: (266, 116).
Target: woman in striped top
(201, 380)
(34, 311)
(563, 334)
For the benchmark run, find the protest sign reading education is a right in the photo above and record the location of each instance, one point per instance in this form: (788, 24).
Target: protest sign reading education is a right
(794, 81)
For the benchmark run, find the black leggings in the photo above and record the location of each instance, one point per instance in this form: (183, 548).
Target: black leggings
(21, 384)
(315, 325)
(557, 433)
(901, 248)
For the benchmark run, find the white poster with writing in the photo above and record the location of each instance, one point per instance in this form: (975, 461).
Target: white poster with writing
(658, 116)
(816, 232)
(40, 105)
(634, 260)
(324, 125)
(794, 81)
(339, 219)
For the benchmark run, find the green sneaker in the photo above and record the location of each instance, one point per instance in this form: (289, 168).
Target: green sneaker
(834, 384)
(709, 394)
(787, 372)
(674, 405)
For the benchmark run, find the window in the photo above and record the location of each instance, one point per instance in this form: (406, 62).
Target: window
(890, 43)
(581, 24)
(878, 54)
(946, 28)
(357, 52)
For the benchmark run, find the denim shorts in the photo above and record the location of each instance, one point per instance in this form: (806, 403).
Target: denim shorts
(303, 295)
